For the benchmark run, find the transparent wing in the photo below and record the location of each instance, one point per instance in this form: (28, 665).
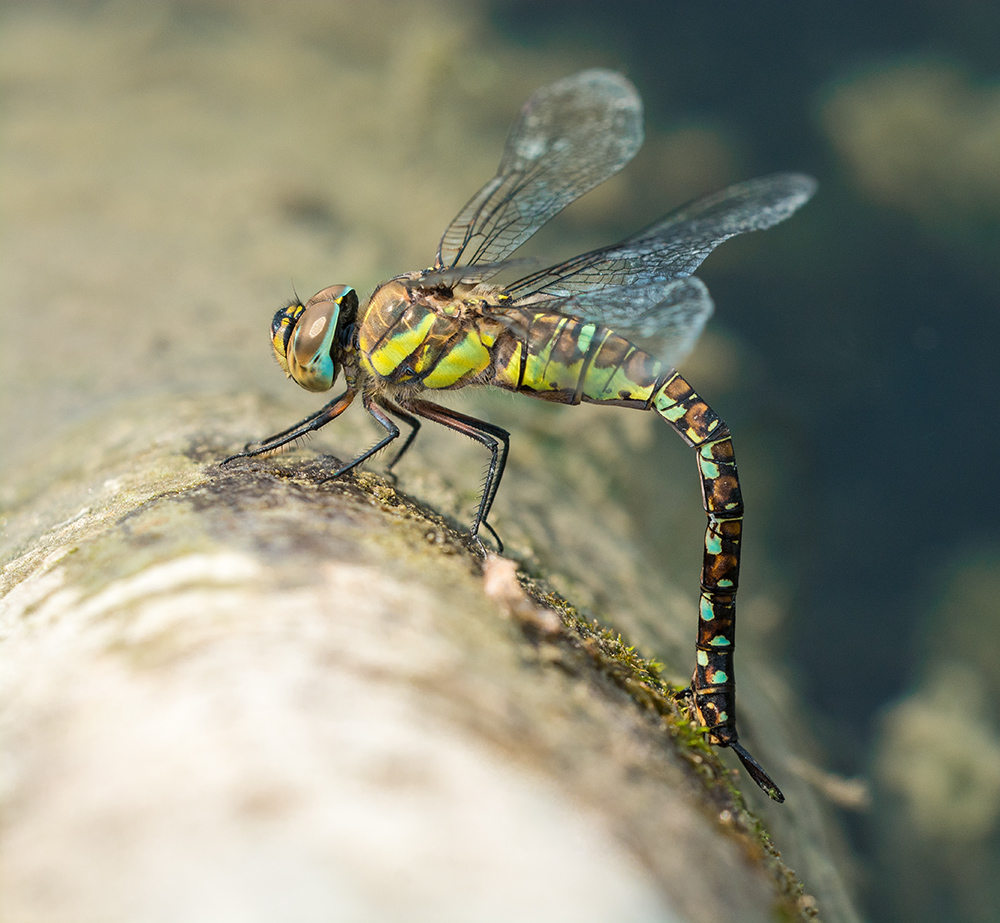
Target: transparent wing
(664, 318)
(570, 136)
(676, 245)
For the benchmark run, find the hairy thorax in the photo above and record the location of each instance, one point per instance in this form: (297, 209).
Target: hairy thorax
(425, 337)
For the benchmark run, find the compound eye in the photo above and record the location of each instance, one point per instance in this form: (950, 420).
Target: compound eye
(310, 348)
(282, 326)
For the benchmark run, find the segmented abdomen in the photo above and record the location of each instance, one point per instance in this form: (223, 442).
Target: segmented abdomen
(568, 360)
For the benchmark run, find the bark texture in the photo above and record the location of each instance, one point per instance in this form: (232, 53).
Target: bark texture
(242, 693)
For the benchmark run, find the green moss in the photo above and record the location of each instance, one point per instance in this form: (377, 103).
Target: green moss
(640, 678)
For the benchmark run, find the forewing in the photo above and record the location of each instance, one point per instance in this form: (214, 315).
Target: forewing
(664, 318)
(570, 136)
(676, 245)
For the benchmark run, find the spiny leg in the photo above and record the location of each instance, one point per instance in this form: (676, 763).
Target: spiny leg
(331, 411)
(392, 432)
(713, 685)
(497, 440)
(412, 422)
(310, 424)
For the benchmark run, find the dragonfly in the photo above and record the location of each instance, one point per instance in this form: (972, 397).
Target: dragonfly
(606, 327)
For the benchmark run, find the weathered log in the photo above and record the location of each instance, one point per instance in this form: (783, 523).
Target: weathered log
(249, 693)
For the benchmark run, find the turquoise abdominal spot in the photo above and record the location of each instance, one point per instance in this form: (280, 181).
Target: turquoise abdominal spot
(720, 677)
(713, 544)
(709, 469)
(720, 642)
(705, 607)
(702, 659)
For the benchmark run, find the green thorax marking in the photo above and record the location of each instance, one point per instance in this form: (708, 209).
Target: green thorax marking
(407, 337)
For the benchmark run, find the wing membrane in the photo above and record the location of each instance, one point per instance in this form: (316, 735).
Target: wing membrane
(676, 245)
(570, 136)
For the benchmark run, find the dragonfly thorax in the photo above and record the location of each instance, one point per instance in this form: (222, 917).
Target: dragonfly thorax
(413, 336)
(310, 340)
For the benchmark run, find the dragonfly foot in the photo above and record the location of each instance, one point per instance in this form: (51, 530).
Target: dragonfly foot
(246, 453)
(332, 477)
(479, 545)
(492, 532)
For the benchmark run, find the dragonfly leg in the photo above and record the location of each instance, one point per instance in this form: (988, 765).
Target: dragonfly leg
(713, 685)
(497, 440)
(412, 422)
(380, 417)
(310, 424)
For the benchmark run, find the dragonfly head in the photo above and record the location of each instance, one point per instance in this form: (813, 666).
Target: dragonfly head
(309, 340)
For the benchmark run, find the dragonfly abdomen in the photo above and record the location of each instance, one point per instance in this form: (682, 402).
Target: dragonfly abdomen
(713, 683)
(569, 360)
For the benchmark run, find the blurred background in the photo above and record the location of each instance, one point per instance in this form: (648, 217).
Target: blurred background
(170, 170)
